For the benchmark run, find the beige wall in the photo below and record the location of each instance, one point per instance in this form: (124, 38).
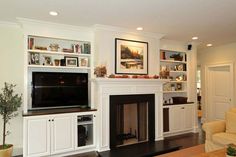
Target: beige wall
(105, 48)
(215, 55)
(11, 70)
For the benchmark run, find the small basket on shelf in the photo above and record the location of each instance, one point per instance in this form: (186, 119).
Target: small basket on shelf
(177, 57)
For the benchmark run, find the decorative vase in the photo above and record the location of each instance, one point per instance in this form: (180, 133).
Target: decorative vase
(56, 62)
(6, 152)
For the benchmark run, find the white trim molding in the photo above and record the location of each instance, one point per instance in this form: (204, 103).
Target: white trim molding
(129, 31)
(208, 108)
(9, 24)
(105, 87)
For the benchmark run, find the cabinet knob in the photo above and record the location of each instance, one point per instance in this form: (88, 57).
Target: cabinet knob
(182, 108)
(53, 120)
(94, 116)
(49, 120)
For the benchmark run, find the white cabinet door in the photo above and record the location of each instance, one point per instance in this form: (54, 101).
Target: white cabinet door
(62, 134)
(38, 136)
(189, 117)
(176, 118)
(181, 118)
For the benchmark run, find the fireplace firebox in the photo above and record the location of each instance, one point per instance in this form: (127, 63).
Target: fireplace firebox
(132, 119)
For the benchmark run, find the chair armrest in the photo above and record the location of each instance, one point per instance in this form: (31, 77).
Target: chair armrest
(213, 127)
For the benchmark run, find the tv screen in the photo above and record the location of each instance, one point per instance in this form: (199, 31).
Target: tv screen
(55, 90)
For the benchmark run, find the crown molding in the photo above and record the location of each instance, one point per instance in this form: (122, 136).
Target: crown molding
(23, 22)
(32, 22)
(126, 30)
(9, 24)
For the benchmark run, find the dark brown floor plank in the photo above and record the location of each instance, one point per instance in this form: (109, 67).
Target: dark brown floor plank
(185, 141)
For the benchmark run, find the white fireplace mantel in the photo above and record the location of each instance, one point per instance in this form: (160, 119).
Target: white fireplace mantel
(128, 80)
(104, 87)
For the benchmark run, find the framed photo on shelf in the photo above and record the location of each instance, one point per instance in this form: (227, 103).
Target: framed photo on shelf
(131, 57)
(34, 59)
(71, 61)
(47, 60)
(83, 62)
(179, 67)
(179, 87)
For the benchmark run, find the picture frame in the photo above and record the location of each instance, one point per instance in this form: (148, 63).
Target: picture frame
(131, 57)
(83, 62)
(71, 61)
(179, 87)
(34, 58)
(180, 67)
(47, 60)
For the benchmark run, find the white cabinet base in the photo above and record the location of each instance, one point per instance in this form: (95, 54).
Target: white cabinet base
(62, 134)
(181, 119)
(36, 131)
(55, 135)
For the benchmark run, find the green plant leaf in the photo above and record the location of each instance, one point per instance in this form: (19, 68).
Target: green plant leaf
(9, 104)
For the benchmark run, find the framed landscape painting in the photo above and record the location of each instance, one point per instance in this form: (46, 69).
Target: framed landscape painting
(131, 57)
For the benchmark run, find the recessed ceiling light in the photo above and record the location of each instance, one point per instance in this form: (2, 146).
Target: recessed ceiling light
(139, 28)
(195, 38)
(53, 13)
(209, 45)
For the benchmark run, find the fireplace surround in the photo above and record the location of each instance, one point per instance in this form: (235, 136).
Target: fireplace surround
(106, 87)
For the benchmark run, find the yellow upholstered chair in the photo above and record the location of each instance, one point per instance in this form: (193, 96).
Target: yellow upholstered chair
(220, 133)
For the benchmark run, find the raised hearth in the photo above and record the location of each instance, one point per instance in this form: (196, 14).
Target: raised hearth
(147, 149)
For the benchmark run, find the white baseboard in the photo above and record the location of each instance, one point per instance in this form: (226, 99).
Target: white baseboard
(168, 134)
(159, 138)
(17, 151)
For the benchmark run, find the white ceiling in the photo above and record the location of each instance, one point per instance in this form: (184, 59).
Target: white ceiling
(213, 21)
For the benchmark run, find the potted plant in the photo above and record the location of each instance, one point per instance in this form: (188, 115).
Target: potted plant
(231, 150)
(9, 103)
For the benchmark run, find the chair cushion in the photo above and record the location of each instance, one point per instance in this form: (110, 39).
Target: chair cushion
(224, 138)
(230, 119)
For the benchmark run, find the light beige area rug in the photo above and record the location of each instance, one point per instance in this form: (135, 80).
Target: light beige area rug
(188, 152)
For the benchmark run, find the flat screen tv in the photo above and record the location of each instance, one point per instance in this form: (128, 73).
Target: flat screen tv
(57, 90)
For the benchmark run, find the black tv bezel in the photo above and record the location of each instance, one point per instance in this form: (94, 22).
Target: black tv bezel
(57, 107)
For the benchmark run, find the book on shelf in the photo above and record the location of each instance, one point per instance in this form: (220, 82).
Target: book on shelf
(86, 48)
(162, 55)
(30, 43)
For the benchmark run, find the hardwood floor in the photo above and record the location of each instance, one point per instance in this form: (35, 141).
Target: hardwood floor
(187, 140)
(184, 141)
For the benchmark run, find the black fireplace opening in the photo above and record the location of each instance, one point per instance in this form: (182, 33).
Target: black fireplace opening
(132, 119)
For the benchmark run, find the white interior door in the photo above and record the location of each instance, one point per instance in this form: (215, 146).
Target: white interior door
(219, 87)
